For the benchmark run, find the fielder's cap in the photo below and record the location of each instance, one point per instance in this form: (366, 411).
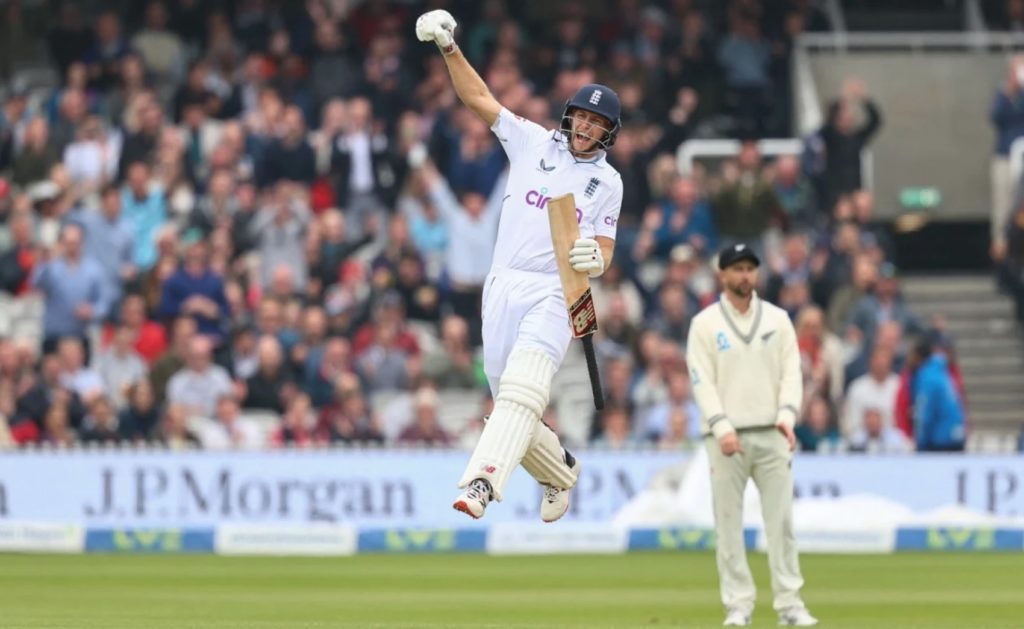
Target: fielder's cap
(735, 253)
(887, 270)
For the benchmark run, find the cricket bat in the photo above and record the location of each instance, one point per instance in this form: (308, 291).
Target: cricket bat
(564, 231)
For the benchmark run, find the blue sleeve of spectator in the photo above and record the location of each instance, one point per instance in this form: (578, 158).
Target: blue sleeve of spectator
(705, 225)
(101, 301)
(924, 410)
(221, 298)
(170, 299)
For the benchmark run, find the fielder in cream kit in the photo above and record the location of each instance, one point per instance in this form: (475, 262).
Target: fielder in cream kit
(526, 329)
(745, 375)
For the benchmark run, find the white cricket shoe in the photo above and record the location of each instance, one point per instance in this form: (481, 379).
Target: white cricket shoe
(737, 618)
(796, 617)
(555, 502)
(474, 500)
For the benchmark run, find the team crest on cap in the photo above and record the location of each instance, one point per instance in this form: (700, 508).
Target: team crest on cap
(595, 97)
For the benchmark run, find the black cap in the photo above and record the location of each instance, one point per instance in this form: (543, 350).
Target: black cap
(733, 254)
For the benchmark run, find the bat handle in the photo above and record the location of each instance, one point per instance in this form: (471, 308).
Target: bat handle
(595, 376)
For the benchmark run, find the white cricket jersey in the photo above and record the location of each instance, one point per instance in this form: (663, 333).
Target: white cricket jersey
(744, 367)
(541, 168)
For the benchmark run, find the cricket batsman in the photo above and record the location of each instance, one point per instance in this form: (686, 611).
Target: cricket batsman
(526, 330)
(745, 375)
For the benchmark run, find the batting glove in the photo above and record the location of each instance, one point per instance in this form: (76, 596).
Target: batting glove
(437, 26)
(585, 257)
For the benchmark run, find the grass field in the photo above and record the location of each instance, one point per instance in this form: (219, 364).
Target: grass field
(962, 591)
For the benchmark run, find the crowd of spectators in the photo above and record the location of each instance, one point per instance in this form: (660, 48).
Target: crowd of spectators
(260, 223)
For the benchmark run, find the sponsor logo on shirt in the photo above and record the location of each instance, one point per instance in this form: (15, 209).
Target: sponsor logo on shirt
(539, 199)
(544, 167)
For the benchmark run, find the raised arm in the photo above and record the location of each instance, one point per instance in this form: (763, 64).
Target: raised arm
(438, 26)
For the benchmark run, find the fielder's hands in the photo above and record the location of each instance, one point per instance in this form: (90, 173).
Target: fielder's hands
(437, 26)
(730, 444)
(787, 432)
(586, 257)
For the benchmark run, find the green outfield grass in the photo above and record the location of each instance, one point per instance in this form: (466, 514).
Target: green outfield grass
(962, 591)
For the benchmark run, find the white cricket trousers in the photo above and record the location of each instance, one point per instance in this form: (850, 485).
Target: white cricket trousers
(522, 309)
(767, 460)
(524, 317)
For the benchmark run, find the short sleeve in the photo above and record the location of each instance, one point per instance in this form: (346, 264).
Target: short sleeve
(516, 133)
(608, 213)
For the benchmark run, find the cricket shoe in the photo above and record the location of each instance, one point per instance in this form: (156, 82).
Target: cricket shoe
(474, 500)
(737, 618)
(796, 617)
(555, 502)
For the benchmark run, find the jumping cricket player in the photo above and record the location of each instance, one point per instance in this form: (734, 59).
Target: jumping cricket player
(745, 373)
(526, 331)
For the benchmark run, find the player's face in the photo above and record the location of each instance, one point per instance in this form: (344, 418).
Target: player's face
(739, 278)
(588, 129)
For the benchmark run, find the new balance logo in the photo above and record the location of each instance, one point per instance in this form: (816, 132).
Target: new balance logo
(595, 97)
(545, 167)
(591, 187)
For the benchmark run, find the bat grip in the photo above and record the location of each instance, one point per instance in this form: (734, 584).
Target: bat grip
(595, 376)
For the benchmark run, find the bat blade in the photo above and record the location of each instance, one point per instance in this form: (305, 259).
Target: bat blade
(565, 229)
(576, 286)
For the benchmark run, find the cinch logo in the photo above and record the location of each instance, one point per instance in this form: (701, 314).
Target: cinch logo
(611, 222)
(539, 199)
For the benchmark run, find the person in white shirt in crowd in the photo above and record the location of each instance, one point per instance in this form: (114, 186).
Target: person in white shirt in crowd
(199, 385)
(358, 163)
(877, 437)
(120, 366)
(228, 429)
(92, 159)
(745, 374)
(472, 222)
(876, 390)
(74, 375)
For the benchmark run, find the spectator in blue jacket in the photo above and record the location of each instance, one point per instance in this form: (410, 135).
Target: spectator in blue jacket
(938, 408)
(194, 289)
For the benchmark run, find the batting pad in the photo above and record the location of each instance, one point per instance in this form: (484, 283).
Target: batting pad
(522, 397)
(544, 459)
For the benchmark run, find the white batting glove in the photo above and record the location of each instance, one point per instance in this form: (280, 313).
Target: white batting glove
(437, 26)
(585, 257)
